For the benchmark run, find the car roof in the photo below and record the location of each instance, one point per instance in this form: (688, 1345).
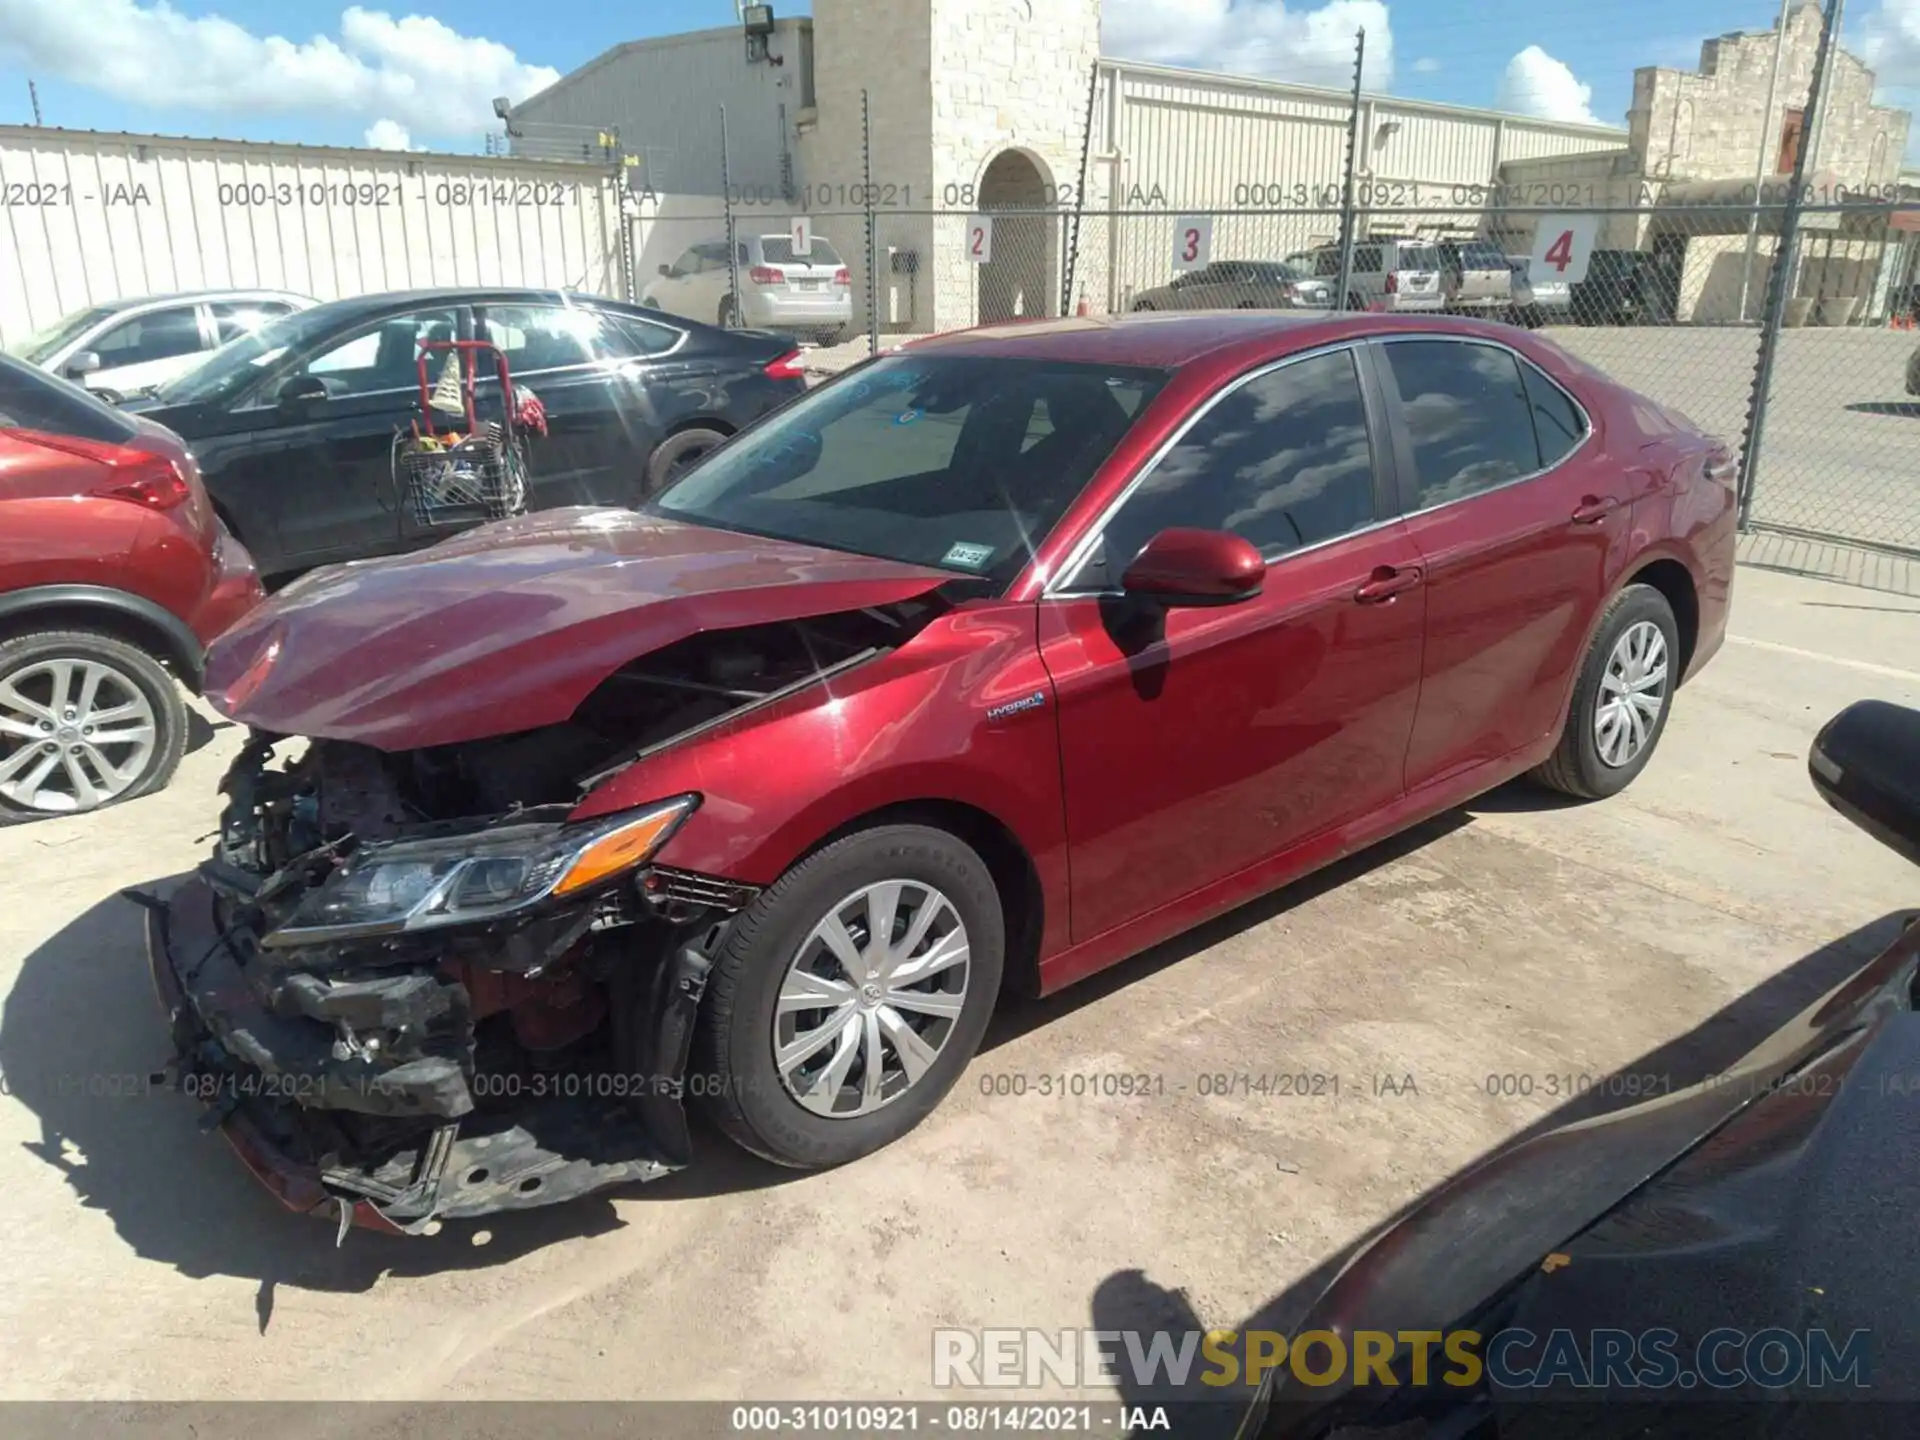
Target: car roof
(180, 297)
(394, 300)
(1174, 340)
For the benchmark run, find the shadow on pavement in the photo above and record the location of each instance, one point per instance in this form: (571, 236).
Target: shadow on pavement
(1130, 1300)
(81, 1036)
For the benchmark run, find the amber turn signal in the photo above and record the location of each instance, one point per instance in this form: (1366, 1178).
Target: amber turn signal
(622, 849)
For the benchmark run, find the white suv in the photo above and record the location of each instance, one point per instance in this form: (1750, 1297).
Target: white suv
(123, 346)
(779, 290)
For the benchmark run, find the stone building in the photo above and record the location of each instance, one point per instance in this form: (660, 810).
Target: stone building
(1702, 144)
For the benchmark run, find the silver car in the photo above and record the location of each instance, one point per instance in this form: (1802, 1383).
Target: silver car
(1239, 285)
(123, 346)
(778, 289)
(1535, 300)
(1390, 272)
(1474, 276)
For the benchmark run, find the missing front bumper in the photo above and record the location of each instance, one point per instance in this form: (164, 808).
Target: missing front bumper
(560, 1136)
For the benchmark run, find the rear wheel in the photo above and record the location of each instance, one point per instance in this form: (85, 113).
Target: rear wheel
(1145, 305)
(86, 720)
(724, 319)
(1620, 700)
(848, 997)
(676, 453)
(1354, 302)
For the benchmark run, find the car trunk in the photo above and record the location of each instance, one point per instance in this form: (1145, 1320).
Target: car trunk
(800, 277)
(1417, 271)
(1482, 278)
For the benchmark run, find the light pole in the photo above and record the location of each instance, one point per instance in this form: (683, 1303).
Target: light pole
(1760, 163)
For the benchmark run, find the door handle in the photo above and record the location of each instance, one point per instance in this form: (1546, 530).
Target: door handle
(1593, 509)
(1387, 582)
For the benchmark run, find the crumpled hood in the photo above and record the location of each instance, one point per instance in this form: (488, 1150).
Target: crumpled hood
(510, 626)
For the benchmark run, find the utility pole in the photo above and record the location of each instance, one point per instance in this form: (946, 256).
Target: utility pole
(1760, 170)
(33, 94)
(1353, 159)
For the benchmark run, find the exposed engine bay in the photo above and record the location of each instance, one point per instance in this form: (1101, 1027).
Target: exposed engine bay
(406, 982)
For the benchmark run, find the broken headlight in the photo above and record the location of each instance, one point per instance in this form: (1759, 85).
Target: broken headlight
(410, 885)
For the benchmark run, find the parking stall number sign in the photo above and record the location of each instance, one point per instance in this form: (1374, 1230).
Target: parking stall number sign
(1562, 245)
(802, 235)
(980, 239)
(1192, 241)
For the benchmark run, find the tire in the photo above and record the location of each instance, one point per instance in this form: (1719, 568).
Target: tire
(735, 1078)
(676, 452)
(1354, 302)
(724, 317)
(1577, 766)
(1142, 307)
(127, 677)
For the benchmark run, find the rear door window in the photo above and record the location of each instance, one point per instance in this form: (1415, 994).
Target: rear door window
(779, 251)
(1468, 415)
(157, 335)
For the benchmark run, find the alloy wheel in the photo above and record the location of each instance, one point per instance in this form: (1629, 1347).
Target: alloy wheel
(74, 734)
(1632, 692)
(870, 998)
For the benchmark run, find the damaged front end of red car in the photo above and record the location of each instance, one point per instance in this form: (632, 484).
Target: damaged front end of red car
(412, 988)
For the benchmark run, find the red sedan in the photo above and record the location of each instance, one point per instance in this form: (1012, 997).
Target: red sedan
(992, 662)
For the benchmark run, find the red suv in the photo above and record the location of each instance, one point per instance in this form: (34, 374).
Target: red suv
(114, 574)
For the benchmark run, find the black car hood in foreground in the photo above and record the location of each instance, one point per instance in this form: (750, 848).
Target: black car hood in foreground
(1747, 1231)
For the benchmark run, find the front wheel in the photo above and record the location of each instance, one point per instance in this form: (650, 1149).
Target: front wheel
(675, 453)
(848, 997)
(1620, 700)
(86, 720)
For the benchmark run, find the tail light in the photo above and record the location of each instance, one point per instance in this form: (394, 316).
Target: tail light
(766, 275)
(140, 476)
(842, 276)
(1393, 282)
(787, 367)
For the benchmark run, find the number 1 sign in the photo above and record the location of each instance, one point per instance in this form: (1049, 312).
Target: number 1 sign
(1192, 241)
(980, 239)
(1562, 245)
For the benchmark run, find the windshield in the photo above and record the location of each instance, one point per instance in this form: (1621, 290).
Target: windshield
(233, 366)
(41, 346)
(961, 463)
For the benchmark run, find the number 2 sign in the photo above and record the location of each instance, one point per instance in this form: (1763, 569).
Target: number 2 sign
(1192, 241)
(1562, 244)
(980, 239)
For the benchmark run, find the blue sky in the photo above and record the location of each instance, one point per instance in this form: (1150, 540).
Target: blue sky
(423, 73)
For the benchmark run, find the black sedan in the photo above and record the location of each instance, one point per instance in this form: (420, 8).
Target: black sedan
(295, 426)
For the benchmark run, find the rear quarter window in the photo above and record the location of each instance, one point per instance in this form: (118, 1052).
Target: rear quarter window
(31, 399)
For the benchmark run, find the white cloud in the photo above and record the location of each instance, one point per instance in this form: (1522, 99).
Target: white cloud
(389, 135)
(1890, 43)
(413, 72)
(1537, 84)
(1426, 65)
(1256, 37)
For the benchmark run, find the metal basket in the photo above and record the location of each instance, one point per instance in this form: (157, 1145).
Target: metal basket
(460, 479)
(484, 477)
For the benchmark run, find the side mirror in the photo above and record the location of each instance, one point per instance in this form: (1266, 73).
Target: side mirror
(1865, 762)
(82, 365)
(667, 270)
(1195, 567)
(301, 393)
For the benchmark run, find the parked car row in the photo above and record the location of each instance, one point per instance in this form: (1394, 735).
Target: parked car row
(1411, 275)
(274, 454)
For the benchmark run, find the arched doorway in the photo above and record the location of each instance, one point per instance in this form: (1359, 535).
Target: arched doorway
(1018, 280)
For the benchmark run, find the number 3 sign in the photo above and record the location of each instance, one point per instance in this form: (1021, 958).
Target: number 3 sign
(1192, 241)
(980, 239)
(1562, 244)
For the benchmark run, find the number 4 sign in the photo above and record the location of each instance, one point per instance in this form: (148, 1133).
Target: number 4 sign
(980, 239)
(1192, 242)
(1562, 244)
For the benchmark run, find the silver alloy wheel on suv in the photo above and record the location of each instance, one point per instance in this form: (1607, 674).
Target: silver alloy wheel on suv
(82, 732)
(870, 998)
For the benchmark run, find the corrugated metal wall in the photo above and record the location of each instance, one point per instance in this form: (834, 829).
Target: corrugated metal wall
(88, 216)
(1169, 141)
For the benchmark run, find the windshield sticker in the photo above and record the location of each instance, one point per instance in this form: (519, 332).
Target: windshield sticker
(907, 417)
(968, 556)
